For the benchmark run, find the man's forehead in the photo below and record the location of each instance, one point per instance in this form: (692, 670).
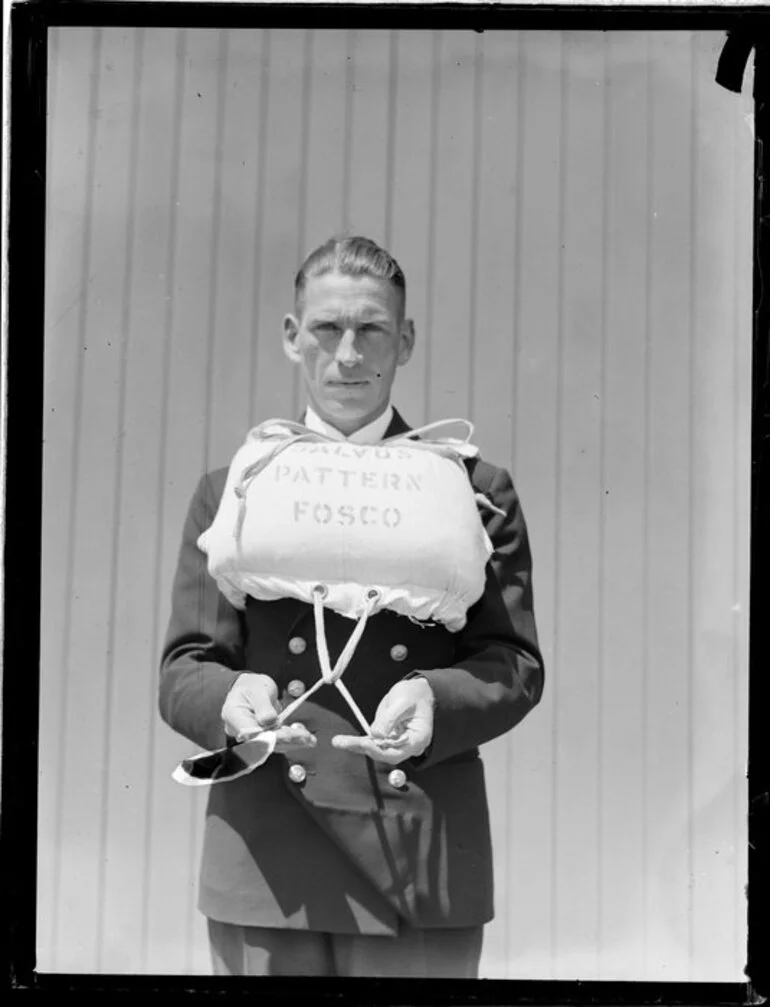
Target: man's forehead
(333, 307)
(338, 292)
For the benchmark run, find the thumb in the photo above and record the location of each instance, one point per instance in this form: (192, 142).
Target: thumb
(264, 706)
(395, 705)
(256, 697)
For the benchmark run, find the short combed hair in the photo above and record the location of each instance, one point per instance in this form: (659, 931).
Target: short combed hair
(354, 256)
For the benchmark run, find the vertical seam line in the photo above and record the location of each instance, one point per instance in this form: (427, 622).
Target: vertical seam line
(117, 505)
(69, 579)
(168, 326)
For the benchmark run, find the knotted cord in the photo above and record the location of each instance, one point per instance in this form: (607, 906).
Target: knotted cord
(329, 675)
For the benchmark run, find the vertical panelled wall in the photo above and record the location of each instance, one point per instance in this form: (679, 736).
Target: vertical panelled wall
(573, 215)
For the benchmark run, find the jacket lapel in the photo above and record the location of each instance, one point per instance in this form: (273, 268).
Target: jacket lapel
(397, 425)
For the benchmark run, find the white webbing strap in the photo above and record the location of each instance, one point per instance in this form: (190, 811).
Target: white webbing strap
(436, 425)
(445, 446)
(329, 675)
(284, 433)
(251, 472)
(229, 763)
(486, 502)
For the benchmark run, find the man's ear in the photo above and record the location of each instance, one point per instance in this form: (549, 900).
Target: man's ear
(290, 333)
(406, 342)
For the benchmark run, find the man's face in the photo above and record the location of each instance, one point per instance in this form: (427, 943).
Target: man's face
(348, 340)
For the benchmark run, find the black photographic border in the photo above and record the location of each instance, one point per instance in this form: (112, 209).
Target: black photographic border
(746, 28)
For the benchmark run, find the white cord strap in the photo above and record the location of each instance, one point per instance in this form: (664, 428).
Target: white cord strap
(229, 763)
(329, 675)
(251, 472)
(486, 502)
(284, 433)
(436, 425)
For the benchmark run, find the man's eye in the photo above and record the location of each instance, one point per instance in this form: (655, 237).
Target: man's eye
(371, 327)
(326, 327)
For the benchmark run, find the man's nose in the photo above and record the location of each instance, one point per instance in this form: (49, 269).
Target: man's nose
(347, 351)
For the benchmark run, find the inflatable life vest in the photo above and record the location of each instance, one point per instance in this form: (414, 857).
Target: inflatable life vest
(399, 518)
(350, 527)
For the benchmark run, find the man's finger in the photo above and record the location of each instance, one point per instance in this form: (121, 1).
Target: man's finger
(391, 714)
(263, 709)
(352, 743)
(400, 740)
(406, 703)
(240, 723)
(294, 730)
(293, 736)
(255, 695)
(285, 747)
(365, 746)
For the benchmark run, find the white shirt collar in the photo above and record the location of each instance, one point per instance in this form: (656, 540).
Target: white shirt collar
(370, 434)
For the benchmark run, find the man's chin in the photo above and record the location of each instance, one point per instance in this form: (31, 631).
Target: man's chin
(348, 414)
(347, 411)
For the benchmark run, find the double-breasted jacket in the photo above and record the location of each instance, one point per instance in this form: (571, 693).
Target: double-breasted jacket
(321, 839)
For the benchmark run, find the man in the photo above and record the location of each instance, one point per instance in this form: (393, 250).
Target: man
(325, 860)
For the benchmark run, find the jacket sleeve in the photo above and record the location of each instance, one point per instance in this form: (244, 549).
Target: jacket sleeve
(499, 676)
(204, 649)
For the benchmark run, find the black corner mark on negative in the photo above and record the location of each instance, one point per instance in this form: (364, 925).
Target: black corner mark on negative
(733, 59)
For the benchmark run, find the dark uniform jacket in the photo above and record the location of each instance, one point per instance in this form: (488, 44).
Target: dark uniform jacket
(344, 851)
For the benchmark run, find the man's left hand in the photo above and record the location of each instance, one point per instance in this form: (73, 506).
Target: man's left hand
(402, 727)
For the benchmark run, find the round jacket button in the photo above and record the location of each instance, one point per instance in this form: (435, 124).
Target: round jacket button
(295, 688)
(297, 773)
(297, 645)
(397, 778)
(398, 652)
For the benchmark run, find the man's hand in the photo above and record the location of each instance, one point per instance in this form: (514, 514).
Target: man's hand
(252, 707)
(402, 727)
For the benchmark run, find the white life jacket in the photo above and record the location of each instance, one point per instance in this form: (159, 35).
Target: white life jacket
(399, 518)
(350, 527)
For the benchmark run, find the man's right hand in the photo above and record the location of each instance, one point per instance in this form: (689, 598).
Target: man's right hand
(252, 706)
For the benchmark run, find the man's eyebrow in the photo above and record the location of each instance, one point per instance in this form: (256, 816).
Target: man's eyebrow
(321, 315)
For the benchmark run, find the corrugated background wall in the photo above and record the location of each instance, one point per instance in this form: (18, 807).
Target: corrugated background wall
(573, 213)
